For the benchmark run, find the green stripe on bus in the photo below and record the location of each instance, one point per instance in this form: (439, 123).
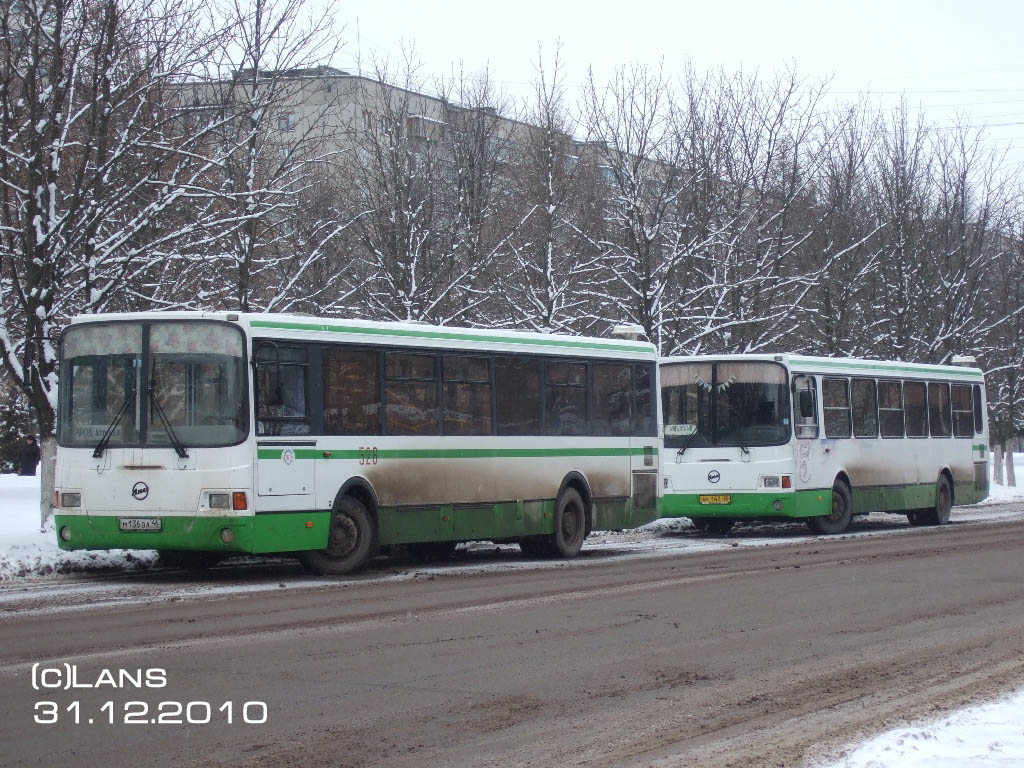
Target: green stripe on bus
(453, 336)
(952, 370)
(455, 453)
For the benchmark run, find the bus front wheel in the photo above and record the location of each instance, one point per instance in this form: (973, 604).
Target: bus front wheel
(349, 544)
(842, 512)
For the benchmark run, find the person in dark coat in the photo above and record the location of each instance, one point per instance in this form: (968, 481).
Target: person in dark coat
(28, 456)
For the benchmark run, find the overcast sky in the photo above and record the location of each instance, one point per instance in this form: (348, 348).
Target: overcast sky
(945, 55)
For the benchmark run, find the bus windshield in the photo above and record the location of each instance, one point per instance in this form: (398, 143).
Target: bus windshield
(740, 404)
(192, 392)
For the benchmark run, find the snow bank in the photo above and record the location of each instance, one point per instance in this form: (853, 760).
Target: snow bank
(986, 735)
(27, 551)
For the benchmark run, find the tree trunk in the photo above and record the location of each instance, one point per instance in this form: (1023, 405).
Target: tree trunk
(1011, 475)
(997, 465)
(48, 476)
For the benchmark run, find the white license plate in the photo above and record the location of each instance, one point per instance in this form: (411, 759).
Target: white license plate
(140, 523)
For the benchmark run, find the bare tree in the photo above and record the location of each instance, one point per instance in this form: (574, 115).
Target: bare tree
(91, 162)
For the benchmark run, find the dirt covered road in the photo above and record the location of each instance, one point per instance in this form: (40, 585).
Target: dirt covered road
(766, 656)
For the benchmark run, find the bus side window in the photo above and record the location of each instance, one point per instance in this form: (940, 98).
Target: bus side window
(517, 394)
(890, 408)
(410, 394)
(915, 409)
(865, 408)
(963, 411)
(979, 412)
(836, 401)
(806, 406)
(939, 416)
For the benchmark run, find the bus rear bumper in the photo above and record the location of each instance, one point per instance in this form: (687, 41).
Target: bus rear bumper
(289, 532)
(806, 503)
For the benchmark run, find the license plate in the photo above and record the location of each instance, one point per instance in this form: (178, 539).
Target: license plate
(715, 499)
(140, 523)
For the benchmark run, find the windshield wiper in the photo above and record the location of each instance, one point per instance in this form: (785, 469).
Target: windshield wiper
(101, 446)
(179, 447)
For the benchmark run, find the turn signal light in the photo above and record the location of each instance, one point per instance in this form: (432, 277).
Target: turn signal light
(787, 481)
(238, 501)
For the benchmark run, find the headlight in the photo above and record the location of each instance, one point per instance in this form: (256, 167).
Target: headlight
(218, 501)
(65, 533)
(69, 499)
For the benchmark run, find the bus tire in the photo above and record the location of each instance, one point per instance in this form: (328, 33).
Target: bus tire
(570, 524)
(350, 542)
(842, 512)
(939, 514)
(719, 525)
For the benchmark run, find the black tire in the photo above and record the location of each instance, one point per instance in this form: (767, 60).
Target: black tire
(700, 523)
(570, 524)
(719, 525)
(842, 512)
(916, 516)
(939, 514)
(432, 550)
(352, 539)
(189, 560)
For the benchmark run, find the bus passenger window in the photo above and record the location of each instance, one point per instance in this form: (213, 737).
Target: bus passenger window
(963, 413)
(643, 416)
(915, 412)
(979, 411)
(890, 408)
(410, 392)
(865, 408)
(467, 395)
(611, 400)
(517, 395)
(835, 398)
(939, 417)
(565, 397)
(351, 391)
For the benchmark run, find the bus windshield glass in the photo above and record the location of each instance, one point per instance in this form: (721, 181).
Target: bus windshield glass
(192, 391)
(742, 404)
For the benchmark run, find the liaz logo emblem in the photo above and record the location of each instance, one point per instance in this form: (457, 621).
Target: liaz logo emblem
(140, 491)
(288, 456)
(714, 476)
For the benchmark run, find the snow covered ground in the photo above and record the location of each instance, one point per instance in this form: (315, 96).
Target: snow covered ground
(988, 735)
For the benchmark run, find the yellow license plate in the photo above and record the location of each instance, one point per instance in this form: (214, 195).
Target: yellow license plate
(715, 499)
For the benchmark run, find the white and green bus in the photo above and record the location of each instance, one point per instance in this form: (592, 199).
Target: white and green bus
(205, 434)
(820, 439)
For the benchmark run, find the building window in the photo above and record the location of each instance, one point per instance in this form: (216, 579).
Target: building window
(286, 121)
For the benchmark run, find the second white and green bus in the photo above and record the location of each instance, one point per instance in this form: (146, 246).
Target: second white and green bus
(820, 439)
(207, 434)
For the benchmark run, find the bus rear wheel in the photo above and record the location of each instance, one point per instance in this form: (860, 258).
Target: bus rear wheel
(939, 515)
(349, 544)
(570, 524)
(842, 512)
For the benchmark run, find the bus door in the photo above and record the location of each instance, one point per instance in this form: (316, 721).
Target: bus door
(285, 451)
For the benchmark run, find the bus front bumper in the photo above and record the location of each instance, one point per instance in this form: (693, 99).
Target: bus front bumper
(289, 532)
(808, 503)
